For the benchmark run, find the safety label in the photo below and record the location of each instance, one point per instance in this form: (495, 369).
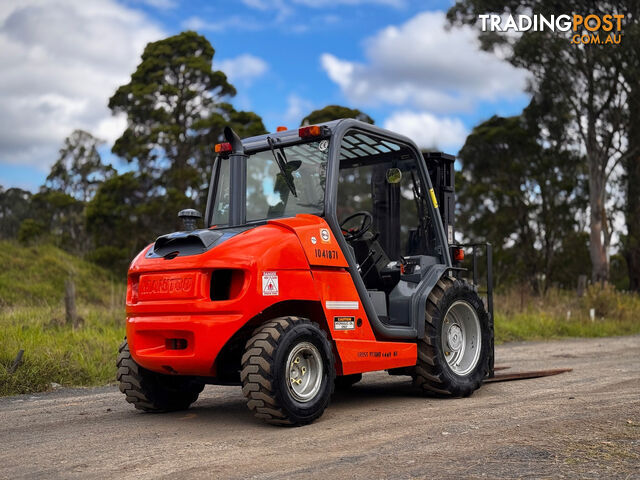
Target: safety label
(344, 323)
(269, 283)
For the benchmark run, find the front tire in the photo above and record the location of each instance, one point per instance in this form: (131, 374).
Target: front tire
(153, 392)
(453, 355)
(288, 371)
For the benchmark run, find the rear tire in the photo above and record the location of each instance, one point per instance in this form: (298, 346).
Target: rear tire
(153, 392)
(345, 382)
(288, 371)
(453, 355)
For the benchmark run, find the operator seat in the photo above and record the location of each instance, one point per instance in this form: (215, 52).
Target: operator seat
(377, 270)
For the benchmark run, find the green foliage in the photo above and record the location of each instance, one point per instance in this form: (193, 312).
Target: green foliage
(245, 124)
(31, 230)
(620, 272)
(110, 257)
(522, 316)
(36, 276)
(585, 91)
(79, 168)
(175, 113)
(334, 112)
(520, 192)
(55, 352)
(14, 209)
(58, 218)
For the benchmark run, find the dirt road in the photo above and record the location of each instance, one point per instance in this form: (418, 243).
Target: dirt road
(583, 424)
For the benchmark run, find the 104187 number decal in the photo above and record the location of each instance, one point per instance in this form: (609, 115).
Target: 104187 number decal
(326, 253)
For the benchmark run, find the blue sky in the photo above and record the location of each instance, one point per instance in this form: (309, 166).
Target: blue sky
(393, 59)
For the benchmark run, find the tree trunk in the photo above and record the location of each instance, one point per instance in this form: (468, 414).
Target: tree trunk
(597, 184)
(597, 247)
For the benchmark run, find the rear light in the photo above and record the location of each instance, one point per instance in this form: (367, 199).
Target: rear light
(281, 128)
(312, 131)
(132, 289)
(458, 254)
(223, 147)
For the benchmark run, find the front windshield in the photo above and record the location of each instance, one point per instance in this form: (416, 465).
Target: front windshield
(268, 194)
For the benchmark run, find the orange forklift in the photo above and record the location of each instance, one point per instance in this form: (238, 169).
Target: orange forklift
(326, 252)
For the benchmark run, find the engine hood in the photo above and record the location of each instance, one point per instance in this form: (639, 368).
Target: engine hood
(195, 242)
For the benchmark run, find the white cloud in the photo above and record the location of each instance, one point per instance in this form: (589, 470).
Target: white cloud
(423, 65)
(60, 63)
(427, 130)
(244, 68)
(297, 109)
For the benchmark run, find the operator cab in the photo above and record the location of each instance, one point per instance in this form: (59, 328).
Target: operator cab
(369, 184)
(385, 211)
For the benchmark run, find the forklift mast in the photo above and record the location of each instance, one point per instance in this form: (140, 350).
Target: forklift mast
(441, 171)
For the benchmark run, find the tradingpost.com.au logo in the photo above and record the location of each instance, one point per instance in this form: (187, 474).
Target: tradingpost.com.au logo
(588, 29)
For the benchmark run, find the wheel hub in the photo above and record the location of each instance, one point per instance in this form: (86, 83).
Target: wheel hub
(305, 369)
(461, 338)
(455, 337)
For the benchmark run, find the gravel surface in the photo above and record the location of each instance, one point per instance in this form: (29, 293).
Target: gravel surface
(582, 424)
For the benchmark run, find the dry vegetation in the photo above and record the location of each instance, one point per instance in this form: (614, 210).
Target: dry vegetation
(523, 316)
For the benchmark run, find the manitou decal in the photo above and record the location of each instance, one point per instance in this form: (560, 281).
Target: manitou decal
(324, 235)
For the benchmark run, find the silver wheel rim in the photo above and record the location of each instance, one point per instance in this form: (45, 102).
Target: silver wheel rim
(461, 338)
(304, 372)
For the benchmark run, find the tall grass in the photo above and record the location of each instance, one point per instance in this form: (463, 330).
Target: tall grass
(54, 352)
(523, 316)
(32, 319)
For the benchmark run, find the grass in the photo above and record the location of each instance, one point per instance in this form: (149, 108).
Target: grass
(558, 314)
(31, 318)
(57, 353)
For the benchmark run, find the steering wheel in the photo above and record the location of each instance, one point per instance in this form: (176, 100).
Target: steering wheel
(357, 232)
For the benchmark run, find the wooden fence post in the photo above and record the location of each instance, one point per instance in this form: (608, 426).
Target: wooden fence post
(582, 285)
(71, 314)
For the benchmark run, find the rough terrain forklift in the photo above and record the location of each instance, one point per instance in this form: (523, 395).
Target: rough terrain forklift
(327, 251)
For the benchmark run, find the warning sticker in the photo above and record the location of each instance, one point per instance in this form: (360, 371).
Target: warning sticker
(433, 197)
(269, 283)
(344, 323)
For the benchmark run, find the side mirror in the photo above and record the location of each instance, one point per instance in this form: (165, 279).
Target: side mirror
(190, 218)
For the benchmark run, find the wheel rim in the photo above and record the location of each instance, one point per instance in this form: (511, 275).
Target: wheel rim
(304, 372)
(461, 338)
